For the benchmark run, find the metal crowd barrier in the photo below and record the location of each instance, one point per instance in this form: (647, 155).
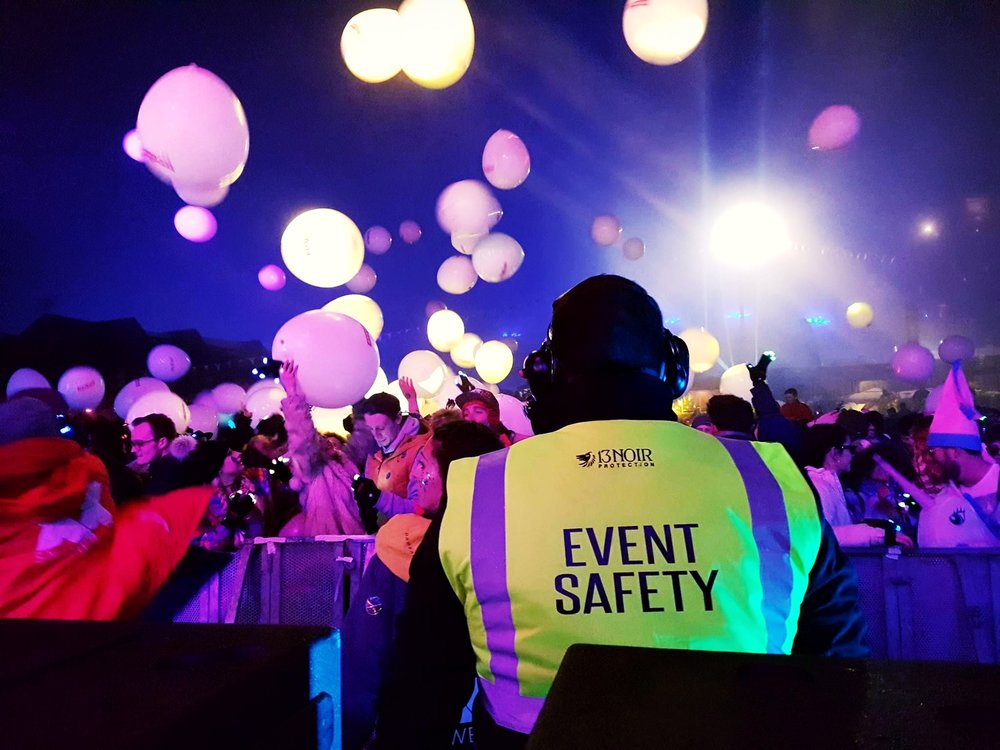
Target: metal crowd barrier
(922, 605)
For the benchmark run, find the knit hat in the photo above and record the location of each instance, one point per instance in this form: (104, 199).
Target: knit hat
(25, 417)
(481, 395)
(954, 424)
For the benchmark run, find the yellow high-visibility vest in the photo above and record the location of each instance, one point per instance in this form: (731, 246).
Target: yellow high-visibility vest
(638, 533)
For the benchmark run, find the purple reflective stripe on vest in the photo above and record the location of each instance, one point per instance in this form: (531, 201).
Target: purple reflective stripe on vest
(769, 519)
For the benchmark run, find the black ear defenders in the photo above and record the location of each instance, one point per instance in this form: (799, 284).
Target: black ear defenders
(541, 366)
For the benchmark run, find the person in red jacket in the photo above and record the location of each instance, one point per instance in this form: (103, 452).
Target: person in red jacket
(66, 551)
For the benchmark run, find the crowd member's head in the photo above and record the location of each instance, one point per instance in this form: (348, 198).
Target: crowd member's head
(443, 417)
(273, 427)
(791, 395)
(482, 407)
(854, 423)
(382, 414)
(731, 414)
(26, 417)
(151, 436)
(825, 446)
(607, 356)
(451, 441)
(703, 423)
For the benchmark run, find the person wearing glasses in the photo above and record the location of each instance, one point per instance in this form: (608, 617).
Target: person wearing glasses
(158, 471)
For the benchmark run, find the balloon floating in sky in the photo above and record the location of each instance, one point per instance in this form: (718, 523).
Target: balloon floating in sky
(703, 348)
(265, 403)
(468, 207)
(409, 232)
(438, 41)
(228, 397)
(664, 32)
(200, 195)
(271, 277)
(193, 129)
(378, 240)
(463, 353)
(363, 309)
(322, 247)
(457, 275)
(860, 315)
(133, 391)
(494, 361)
(427, 371)
(634, 248)
(363, 281)
(736, 382)
(497, 257)
(195, 224)
(372, 45)
(25, 378)
(957, 349)
(168, 362)
(605, 230)
(336, 356)
(913, 362)
(132, 146)
(834, 128)
(82, 387)
(506, 162)
(444, 329)
(433, 306)
(464, 242)
(161, 402)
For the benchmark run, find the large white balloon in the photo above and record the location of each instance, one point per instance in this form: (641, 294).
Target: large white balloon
(457, 275)
(204, 418)
(193, 129)
(133, 391)
(468, 207)
(168, 363)
(371, 44)
(265, 403)
(438, 41)
(82, 387)
(427, 371)
(497, 257)
(323, 247)
(664, 32)
(25, 378)
(229, 398)
(463, 353)
(703, 348)
(161, 402)
(363, 309)
(444, 329)
(494, 361)
(736, 382)
(336, 355)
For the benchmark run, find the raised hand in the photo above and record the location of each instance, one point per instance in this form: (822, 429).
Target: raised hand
(289, 377)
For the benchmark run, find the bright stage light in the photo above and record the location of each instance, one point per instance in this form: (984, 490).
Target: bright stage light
(750, 234)
(928, 229)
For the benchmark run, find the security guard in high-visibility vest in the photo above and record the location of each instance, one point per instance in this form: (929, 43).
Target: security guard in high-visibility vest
(614, 525)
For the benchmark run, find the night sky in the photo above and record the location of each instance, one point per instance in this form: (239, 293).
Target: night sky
(86, 232)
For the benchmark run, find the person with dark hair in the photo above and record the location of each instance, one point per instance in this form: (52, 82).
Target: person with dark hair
(158, 471)
(602, 528)
(732, 417)
(479, 405)
(793, 409)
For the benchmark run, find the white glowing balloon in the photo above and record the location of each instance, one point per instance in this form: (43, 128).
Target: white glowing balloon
(363, 281)
(132, 145)
(513, 415)
(25, 378)
(468, 207)
(463, 353)
(444, 329)
(605, 230)
(363, 309)
(265, 403)
(427, 371)
(664, 32)
(201, 195)
(229, 398)
(494, 361)
(457, 275)
(736, 382)
(260, 385)
(506, 162)
(195, 224)
(634, 248)
(372, 45)
(161, 402)
(860, 314)
(330, 421)
(703, 348)
(497, 257)
(193, 128)
(322, 247)
(438, 41)
(381, 381)
(133, 391)
(336, 356)
(204, 418)
(82, 387)
(168, 362)
(749, 234)
(464, 242)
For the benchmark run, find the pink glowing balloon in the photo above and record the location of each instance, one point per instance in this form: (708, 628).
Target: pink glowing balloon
(834, 128)
(271, 278)
(468, 207)
(132, 145)
(409, 232)
(434, 306)
(957, 349)
(364, 281)
(913, 362)
(195, 224)
(506, 162)
(634, 248)
(606, 230)
(378, 240)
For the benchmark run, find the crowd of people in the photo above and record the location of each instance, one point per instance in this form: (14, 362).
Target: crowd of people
(92, 498)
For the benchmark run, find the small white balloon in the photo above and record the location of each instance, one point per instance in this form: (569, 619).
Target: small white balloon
(513, 415)
(364, 281)
(634, 248)
(168, 363)
(372, 45)
(703, 349)
(427, 371)
(494, 361)
(265, 403)
(82, 387)
(457, 275)
(25, 378)
(664, 32)
(736, 382)
(497, 257)
(468, 207)
(444, 329)
(438, 41)
(606, 230)
(506, 162)
(323, 247)
(463, 353)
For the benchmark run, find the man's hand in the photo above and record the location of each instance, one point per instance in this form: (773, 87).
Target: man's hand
(289, 377)
(758, 372)
(366, 493)
(409, 392)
